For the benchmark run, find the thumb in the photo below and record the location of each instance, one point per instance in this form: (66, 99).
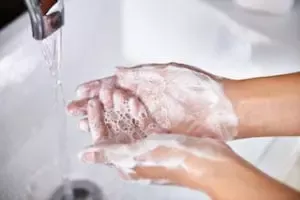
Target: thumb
(122, 155)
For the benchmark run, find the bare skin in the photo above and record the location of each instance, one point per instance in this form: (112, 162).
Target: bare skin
(244, 181)
(268, 106)
(234, 180)
(215, 169)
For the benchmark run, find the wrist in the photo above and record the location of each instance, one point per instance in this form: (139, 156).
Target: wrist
(235, 179)
(221, 179)
(244, 105)
(232, 91)
(267, 106)
(210, 175)
(232, 179)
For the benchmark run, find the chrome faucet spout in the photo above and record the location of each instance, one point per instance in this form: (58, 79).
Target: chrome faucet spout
(47, 16)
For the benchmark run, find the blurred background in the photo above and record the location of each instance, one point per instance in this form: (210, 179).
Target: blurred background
(10, 10)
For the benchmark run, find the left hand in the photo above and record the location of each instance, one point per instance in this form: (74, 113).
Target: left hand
(166, 159)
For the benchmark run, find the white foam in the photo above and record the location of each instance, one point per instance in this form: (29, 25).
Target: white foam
(126, 157)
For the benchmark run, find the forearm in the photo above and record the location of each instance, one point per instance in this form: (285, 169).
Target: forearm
(266, 106)
(241, 180)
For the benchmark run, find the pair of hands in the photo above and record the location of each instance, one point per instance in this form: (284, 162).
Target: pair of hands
(157, 122)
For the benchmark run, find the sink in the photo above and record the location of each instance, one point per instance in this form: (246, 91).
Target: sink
(30, 127)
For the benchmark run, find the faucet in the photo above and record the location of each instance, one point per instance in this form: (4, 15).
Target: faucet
(47, 16)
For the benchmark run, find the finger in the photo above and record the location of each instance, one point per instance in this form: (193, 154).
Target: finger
(119, 97)
(155, 174)
(160, 176)
(119, 154)
(134, 105)
(78, 107)
(84, 125)
(150, 173)
(134, 178)
(92, 157)
(99, 154)
(163, 156)
(146, 122)
(110, 152)
(138, 109)
(123, 174)
(96, 120)
(88, 89)
(91, 89)
(106, 96)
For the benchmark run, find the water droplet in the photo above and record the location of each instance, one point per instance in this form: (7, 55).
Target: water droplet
(58, 82)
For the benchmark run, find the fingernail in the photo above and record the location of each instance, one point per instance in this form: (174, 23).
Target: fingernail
(73, 112)
(68, 111)
(68, 108)
(87, 157)
(81, 91)
(92, 103)
(123, 175)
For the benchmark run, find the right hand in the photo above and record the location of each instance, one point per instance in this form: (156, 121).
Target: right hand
(166, 159)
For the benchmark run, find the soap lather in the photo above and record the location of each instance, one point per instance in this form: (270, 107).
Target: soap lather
(47, 16)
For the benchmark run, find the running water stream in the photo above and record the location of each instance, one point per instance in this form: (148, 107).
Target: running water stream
(52, 50)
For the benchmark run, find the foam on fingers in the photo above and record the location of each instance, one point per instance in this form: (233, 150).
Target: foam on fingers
(91, 89)
(88, 89)
(96, 120)
(106, 96)
(77, 108)
(119, 98)
(133, 104)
